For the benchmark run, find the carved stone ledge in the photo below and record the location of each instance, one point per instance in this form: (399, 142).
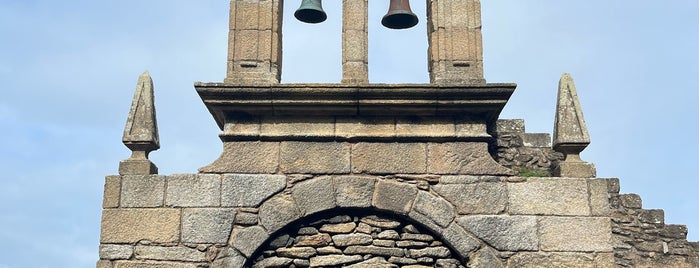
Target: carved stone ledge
(484, 101)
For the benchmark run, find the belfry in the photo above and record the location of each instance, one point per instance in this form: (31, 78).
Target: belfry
(355, 174)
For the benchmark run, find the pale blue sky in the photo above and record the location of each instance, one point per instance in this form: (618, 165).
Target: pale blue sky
(69, 68)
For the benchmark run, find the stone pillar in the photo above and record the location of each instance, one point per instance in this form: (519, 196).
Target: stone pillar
(254, 42)
(455, 41)
(355, 44)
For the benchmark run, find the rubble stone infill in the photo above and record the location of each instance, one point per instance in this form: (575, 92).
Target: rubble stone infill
(356, 241)
(642, 239)
(529, 154)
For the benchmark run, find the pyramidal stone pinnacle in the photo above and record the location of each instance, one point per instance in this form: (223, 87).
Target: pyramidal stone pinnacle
(141, 131)
(570, 135)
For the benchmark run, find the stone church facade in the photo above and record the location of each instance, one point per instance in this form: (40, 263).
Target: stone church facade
(375, 175)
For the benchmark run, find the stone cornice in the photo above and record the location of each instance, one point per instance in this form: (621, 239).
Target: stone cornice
(481, 101)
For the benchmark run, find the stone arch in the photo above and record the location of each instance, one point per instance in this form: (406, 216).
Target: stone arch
(366, 193)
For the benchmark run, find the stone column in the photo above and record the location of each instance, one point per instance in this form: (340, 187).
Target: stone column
(254, 42)
(355, 44)
(455, 41)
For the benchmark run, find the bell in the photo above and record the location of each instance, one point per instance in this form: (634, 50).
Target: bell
(311, 11)
(399, 15)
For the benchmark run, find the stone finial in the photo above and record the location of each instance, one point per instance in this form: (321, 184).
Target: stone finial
(570, 135)
(141, 131)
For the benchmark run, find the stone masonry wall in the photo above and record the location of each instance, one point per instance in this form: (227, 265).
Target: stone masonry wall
(642, 239)
(528, 154)
(355, 241)
(222, 220)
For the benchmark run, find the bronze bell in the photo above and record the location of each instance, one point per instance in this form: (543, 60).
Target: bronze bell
(399, 15)
(311, 11)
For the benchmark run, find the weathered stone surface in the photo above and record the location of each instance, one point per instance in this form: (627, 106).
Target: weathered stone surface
(338, 228)
(344, 240)
(281, 241)
(510, 126)
(378, 251)
(359, 127)
(137, 166)
(302, 263)
(570, 135)
(425, 126)
(297, 252)
(382, 158)
(334, 260)
(154, 264)
(542, 140)
(245, 218)
(105, 264)
(652, 216)
(377, 262)
(289, 127)
(471, 128)
(411, 244)
(307, 231)
(389, 234)
(463, 158)
(363, 228)
(241, 190)
(534, 259)
(142, 191)
(246, 157)
(509, 233)
(314, 195)
(599, 197)
(434, 252)
(248, 239)
(475, 198)
(115, 252)
(417, 237)
(317, 240)
(273, 262)
(394, 196)
(485, 257)
(112, 192)
(575, 234)
(207, 225)
(402, 260)
(141, 130)
(631, 201)
(575, 170)
(315, 157)
(133, 225)
(467, 179)
(329, 250)
(169, 253)
(193, 190)
(570, 125)
(278, 212)
(354, 191)
(435, 208)
(459, 239)
(549, 196)
(384, 243)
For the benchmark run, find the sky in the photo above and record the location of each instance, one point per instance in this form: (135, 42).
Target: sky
(69, 68)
